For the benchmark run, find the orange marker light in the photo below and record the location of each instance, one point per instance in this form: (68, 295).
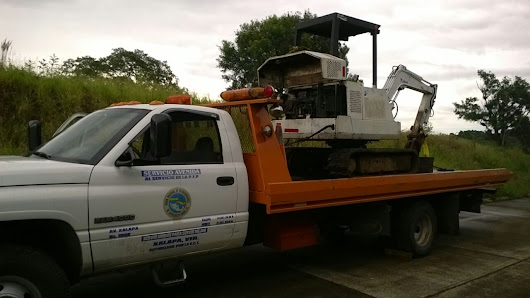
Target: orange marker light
(183, 99)
(117, 104)
(125, 103)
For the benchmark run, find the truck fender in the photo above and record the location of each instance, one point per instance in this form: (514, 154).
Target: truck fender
(53, 237)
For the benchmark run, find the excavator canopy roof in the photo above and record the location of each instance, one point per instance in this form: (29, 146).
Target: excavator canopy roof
(348, 26)
(338, 27)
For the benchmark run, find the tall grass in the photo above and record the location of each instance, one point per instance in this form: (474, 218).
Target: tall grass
(26, 96)
(452, 152)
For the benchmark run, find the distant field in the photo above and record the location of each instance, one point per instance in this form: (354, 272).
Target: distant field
(25, 96)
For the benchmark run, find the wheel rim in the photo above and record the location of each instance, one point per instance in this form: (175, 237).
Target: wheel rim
(18, 287)
(423, 230)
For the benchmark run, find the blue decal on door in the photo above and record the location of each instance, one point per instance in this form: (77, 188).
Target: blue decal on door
(155, 175)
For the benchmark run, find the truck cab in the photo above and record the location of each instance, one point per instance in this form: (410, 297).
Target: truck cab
(193, 200)
(126, 201)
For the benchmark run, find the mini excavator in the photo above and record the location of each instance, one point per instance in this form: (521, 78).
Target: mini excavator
(321, 102)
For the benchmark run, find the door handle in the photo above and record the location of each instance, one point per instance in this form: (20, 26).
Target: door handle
(225, 181)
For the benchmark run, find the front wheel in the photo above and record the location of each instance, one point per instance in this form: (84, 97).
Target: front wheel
(416, 228)
(29, 273)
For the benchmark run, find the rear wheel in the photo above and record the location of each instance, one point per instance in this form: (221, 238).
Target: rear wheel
(416, 228)
(29, 273)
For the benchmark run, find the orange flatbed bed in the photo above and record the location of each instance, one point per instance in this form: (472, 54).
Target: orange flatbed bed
(300, 195)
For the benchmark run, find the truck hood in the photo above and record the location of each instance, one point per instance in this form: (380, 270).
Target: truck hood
(17, 170)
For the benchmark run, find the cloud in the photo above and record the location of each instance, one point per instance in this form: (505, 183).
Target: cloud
(471, 25)
(35, 3)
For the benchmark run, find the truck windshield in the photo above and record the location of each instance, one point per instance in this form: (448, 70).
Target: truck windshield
(89, 140)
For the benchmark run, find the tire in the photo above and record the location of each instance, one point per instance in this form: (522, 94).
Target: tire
(27, 272)
(415, 229)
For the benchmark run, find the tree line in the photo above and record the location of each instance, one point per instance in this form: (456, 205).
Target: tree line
(121, 65)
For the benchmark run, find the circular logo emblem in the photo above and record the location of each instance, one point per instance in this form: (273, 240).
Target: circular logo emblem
(177, 203)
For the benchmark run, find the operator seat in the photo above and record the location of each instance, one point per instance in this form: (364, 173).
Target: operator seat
(204, 151)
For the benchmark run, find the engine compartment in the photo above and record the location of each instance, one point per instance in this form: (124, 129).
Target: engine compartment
(317, 101)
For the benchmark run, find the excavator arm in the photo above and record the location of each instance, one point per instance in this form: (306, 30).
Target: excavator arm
(401, 78)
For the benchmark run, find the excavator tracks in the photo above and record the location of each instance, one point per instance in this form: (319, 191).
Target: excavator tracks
(326, 163)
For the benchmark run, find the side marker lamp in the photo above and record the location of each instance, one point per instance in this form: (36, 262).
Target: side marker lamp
(267, 130)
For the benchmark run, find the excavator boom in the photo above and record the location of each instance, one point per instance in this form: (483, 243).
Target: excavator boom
(401, 78)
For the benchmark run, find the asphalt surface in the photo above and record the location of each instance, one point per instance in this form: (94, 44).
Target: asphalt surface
(490, 258)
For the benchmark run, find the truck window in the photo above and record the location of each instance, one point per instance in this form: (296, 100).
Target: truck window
(239, 114)
(89, 139)
(195, 140)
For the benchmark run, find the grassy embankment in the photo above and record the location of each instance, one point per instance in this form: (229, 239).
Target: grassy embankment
(452, 152)
(25, 96)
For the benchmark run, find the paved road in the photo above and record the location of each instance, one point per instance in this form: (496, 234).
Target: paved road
(490, 258)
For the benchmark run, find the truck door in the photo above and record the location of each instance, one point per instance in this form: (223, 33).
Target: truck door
(159, 208)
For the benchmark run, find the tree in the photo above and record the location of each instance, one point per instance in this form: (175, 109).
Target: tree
(139, 67)
(85, 66)
(504, 105)
(258, 40)
(49, 67)
(474, 135)
(122, 64)
(522, 133)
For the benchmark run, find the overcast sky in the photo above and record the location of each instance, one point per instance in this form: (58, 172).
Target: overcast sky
(445, 42)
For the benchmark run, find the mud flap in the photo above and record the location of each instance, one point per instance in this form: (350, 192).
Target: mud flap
(447, 208)
(471, 200)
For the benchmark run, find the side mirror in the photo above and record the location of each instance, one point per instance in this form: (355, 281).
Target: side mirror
(160, 135)
(126, 159)
(34, 134)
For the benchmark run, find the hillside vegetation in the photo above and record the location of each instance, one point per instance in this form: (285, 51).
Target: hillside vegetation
(26, 96)
(456, 153)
